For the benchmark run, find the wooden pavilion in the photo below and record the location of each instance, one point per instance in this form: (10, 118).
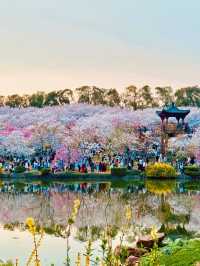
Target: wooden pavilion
(167, 129)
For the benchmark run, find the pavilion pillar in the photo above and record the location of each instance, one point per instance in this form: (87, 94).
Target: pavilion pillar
(163, 137)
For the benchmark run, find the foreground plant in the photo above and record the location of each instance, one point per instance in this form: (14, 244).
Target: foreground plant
(70, 222)
(109, 256)
(155, 251)
(30, 222)
(153, 257)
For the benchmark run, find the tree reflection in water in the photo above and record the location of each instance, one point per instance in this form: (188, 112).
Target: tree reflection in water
(163, 203)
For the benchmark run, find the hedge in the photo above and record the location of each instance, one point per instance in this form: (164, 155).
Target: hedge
(192, 170)
(45, 171)
(20, 169)
(118, 171)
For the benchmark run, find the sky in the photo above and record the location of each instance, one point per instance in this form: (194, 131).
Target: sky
(56, 44)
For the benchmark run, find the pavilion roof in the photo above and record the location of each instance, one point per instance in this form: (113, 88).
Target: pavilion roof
(172, 111)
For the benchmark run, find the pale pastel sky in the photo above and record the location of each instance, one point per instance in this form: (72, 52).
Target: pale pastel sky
(55, 44)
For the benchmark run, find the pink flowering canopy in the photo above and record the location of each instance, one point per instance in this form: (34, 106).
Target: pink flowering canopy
(72, 129)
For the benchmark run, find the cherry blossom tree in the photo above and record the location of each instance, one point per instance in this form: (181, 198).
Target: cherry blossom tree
(81, 128)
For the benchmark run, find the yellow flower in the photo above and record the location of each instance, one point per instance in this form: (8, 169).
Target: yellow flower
(77, 203)
(87, 261)
(154, 233)
(30, 222)
(128, 213)
(78, 260)
(75, 209)
(37, 263)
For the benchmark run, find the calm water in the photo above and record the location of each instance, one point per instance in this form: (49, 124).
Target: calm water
(172, 205)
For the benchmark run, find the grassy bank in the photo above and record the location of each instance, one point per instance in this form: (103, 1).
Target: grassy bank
(69, 175)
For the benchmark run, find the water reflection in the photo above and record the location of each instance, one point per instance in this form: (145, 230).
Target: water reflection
(172, 206)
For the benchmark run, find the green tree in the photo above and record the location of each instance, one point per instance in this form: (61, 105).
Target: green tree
(37, 99)
(2, 101)
(14, 100)
(65, 96)
(98, 95)
(132, 97)
(84, 94)
(146, 97)
(189, 96)
(90, 95)
(51, 99)
(112, 98)
(25, 100)
(165, 95)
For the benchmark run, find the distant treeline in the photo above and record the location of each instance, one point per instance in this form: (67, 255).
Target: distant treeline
(132, 97)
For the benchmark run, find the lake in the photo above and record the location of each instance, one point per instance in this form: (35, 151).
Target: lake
(171, 205)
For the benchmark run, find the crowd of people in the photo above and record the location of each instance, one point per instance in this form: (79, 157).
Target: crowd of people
(85, 165)
(9, 164)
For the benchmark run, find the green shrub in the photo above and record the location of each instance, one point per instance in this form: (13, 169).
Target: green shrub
(180, 254)
(118, 171)
(192, 170)
(160, 170)
(20, 169)
(45, 171)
